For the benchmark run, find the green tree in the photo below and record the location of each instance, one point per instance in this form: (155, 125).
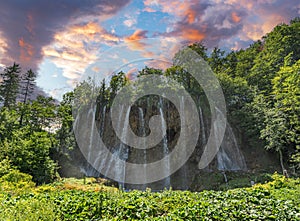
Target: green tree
(283, 131)
(200, 48)
(279, 43)
(117, 81)
(27, 88)
(41, 114)
(217, 60)
(65, 136)
(28, 84)
(9, 87)
(30, 153)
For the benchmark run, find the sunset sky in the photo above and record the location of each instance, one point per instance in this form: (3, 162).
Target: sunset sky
(63, 40)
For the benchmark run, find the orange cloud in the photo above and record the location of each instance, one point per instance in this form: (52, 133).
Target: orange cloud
(235, 17)
(137, 35)
(130, 74)
(89, 29)
(73, 49)
(26, 52)
(192, 35)
(191, 16)
(134, 40)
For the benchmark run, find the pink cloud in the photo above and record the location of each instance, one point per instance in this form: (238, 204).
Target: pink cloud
(149, 9)
(73, 49)
(134, 40)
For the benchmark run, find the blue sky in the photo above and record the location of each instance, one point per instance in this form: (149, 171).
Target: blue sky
(65, 40)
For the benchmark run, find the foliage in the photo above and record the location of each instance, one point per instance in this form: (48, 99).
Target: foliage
(9, 86)
(260, 202)
(30, 154)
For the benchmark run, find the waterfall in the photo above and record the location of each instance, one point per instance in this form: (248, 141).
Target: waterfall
(183, 170)
(142, 132)
(167, 182)
(102, 121)
(122, 152)
(115, 150)
(87, 169)
(91, 112)
(202, 125)
(101, 132)
(229, 156)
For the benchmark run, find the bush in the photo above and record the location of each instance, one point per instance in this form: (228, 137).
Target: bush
(15, 179)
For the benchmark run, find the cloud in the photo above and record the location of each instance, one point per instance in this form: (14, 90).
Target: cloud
(27, 27)
(216, 22)
(134, 41)
(26, 51)
(75, 48)
(132, 73)
(235, 17)
(149, 9)
(130, 22)
(3, 47)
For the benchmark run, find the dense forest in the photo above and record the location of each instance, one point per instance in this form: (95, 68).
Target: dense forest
(261, 85)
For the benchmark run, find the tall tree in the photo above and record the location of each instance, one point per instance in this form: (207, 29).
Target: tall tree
(27, 85)
(9, 87)
(27, 88)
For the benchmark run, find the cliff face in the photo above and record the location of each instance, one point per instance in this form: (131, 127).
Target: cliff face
(234, 154)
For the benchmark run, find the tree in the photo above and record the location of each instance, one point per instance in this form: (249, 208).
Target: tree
(30, 153)
(27, 88)
(9, 87)
(217, 60)
(117, 81)
(200, 49)
(27, 84)
(42, 114)
(245, 60)
(65, 136)
(286, 91)
(8, 123)
(276, 45)
(278, 114)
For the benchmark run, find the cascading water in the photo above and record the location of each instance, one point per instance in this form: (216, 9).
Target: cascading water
(202, 125)
(109, 164)
(183, 170)
(229, 156)
(102, 121)
(167, 182)
(122, 152)
(87, 169)
(91, 112)
(142, 132)
(101, 132)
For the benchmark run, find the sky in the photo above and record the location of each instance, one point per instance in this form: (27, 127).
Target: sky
(66, 40)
